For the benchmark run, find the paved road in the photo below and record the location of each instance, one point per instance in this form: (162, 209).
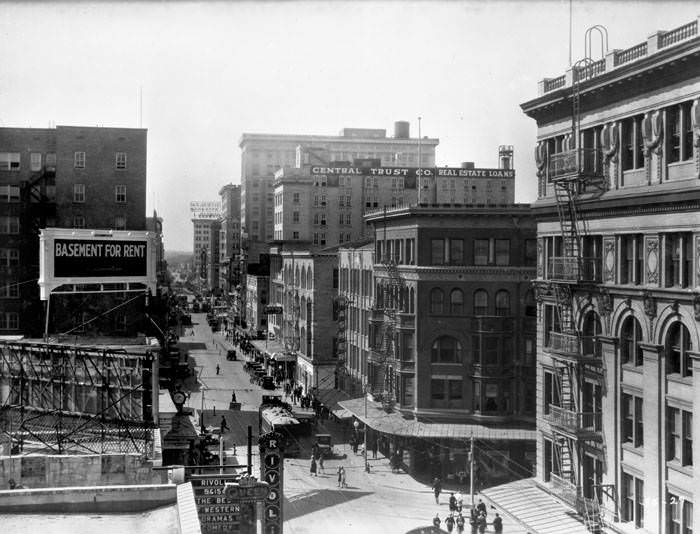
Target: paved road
(378, 502)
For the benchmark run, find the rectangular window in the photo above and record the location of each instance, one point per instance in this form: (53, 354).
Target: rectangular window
(9, 161)
(35, 161)
(530, 252)
(9, 321)
(78, 192)
(502, 251)
(295, 235)
(632, 420)
(79, 160)
(437, 251)
(120, 160)
(687, 517)
(9, 225)
(481, 252)
(295, 217)
(348, 219)
(9, 193)
(9, 257)
(295, 198)
(678, 259)
(78, 221)
(638, 422)
(120, 193)
(687, 438)
(120, 223)
(456, 251)
(9, 290)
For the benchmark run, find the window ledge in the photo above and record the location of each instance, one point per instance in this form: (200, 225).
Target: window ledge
(677, 378)
(629, 447)
(633, 368)
(675, 465)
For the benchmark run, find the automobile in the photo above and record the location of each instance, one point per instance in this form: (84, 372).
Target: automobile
(267, 382)
(231, 355)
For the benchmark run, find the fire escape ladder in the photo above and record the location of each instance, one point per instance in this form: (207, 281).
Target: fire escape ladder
(592, 516)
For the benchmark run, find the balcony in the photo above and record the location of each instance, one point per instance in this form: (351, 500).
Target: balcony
(584, 425)
(572, 269)
(575, 164)
(575, 348)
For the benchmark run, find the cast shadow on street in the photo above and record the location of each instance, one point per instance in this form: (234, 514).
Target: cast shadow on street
(315, 500)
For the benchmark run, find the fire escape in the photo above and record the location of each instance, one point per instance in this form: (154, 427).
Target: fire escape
(573, 270)
(383, 354)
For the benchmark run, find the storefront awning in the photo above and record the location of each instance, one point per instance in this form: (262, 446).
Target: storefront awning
(274, 350)
(330, 399)
(394, 423)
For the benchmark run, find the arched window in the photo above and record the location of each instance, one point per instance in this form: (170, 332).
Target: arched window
(481, 302)
(437, 301)
(677, 346)
(411, 301)
(446, 349)
(303, 277)
(456, 302)
(630, 336)
(503, 303)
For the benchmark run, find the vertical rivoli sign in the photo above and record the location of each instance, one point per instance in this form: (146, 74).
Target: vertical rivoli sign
(271, 471)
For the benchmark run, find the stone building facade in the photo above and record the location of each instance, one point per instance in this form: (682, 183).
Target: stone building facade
(618, 374)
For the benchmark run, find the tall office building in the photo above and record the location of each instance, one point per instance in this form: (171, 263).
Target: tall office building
(229, 237)
(68, 176)
(618, 273)
(263, 154)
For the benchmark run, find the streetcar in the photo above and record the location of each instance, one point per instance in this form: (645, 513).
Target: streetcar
(281, 420)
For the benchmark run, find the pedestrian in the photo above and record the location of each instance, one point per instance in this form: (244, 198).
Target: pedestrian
(436, 521)
(450, 523)
(223, 425)
(217, 369)
(481, 507)
(320, 463)
(437, 488)
(355, 444)
(312, 469)
(482, 523)
(343, 484)
(374, 449)
(460, 523)
(453, 502)
(459, 498)
(233, 397)
(340, 474)
(497, 524)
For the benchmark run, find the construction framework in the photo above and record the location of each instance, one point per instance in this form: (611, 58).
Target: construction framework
(69, 399)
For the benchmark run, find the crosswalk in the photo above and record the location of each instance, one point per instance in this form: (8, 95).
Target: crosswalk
(535, 509)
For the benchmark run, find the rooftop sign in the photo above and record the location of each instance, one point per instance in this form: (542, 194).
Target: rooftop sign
(414, 171)
(206, 209)
(70, 256)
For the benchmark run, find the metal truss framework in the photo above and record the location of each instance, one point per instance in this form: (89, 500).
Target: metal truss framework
(69, 399)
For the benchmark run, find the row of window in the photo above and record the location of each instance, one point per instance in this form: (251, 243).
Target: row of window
(485, 252)
(9, 321)
(455, 306)
(11, 161)
(118, 224)
(80, 196)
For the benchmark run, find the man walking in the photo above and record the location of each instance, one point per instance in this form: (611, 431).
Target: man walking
(223, 425)
(437, 488)
(217, 369)
(497, 524)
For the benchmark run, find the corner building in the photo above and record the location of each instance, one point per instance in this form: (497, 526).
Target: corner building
(618, 276)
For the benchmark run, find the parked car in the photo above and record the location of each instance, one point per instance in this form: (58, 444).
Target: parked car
(267, 382)
(231, 355)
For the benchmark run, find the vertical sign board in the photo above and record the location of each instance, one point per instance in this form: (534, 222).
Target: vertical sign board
(271, 471)
(217, 513)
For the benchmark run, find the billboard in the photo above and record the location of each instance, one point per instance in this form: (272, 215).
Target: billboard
(78, 256)
(408, 172)
(206, 209)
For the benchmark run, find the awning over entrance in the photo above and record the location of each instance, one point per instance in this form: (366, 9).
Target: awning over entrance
(274, 350)
(330, 398)
(394, 423)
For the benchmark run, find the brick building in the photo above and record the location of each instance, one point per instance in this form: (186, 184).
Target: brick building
(206, 252)
(257, 288)
(68, 176)
(618, 271)
(229, 237)
(263, 154)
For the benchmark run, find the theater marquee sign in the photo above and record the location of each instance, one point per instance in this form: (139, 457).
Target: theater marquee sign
(95, 256)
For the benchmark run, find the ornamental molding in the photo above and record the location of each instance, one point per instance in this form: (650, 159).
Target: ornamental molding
(652, 259)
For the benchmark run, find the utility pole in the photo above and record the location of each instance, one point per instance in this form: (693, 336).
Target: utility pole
(471, 468)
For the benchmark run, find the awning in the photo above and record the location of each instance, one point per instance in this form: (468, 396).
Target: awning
(283, 357)
(373, 415)
(330, 399)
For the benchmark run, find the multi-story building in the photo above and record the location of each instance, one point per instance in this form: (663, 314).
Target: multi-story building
(257, 288)
(206, 252)
(452, 331)
(355, 305)
(618, 273)
(263, 154)
(229, 237)
(75, 177)
(155, 224)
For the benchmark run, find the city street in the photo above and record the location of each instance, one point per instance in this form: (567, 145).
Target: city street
(375, 502)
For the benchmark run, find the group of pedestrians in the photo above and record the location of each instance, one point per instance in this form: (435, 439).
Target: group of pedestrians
(477, 514)
(318, 465)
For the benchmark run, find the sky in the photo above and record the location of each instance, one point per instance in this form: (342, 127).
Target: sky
(209, 71)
